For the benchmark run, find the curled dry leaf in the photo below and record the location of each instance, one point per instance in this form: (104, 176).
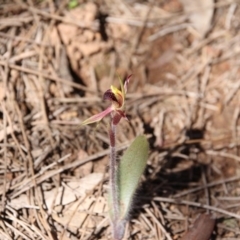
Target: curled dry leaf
(202, 228)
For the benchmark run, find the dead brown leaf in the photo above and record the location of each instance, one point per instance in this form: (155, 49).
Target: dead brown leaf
(202, 228)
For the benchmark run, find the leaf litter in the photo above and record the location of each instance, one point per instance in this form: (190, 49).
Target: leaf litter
(55, 64)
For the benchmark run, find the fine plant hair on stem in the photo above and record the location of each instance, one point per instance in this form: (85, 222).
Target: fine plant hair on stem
(113, 176)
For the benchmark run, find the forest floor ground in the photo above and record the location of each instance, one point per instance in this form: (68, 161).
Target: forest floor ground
(57, 60)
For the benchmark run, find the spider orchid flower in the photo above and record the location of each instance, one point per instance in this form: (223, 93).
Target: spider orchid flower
(117, 108)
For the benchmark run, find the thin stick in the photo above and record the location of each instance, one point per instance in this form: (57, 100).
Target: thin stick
(43, 75)
(197, 204)
(167, 235)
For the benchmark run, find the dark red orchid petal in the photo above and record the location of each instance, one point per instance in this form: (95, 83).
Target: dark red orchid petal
(109, 95)
(122, 114)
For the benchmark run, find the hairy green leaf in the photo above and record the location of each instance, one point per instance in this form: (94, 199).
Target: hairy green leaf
(131, 167)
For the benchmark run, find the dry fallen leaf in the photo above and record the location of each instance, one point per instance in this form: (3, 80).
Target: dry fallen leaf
(202, 228)
(75, 215)
(67, 32)
(85, 184)
(65, 194)
(85, 169)
(73, 190)
(85, 13)
(200, 14)
(90, 48)
(20, 202)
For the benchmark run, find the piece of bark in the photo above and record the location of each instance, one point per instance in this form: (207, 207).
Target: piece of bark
(202, 228)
